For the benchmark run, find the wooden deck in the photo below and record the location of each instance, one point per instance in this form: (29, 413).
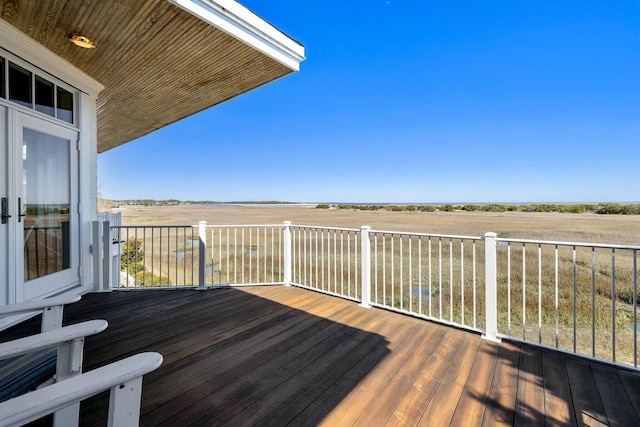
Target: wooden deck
(287, 356)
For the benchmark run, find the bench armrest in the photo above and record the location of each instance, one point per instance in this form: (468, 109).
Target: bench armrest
(35, 305)
(51, 338)
(51, 309)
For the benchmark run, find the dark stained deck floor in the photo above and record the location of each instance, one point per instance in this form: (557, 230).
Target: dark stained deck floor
(287, 356)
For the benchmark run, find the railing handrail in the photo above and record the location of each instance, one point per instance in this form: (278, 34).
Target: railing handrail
(440, 236)
(321, 227)
(395, 233)
(120, 227)
(242, 225)
(564, 243)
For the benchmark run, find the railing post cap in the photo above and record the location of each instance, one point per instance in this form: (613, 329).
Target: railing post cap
(491, 234)
(365, 227)
(287, 222)
(202, 222)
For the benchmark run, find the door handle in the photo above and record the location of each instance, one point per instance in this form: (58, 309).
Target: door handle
(4, 212)
(20, 214)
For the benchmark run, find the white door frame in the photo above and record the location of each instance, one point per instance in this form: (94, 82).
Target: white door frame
(6, 296)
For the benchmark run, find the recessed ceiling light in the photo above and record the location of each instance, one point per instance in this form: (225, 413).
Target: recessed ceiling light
(82, 41)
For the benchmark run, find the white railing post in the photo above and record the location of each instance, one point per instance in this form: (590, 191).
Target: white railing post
(107, 257)
(491, 287)
(202, 254)
(287, 253)
(366, 266)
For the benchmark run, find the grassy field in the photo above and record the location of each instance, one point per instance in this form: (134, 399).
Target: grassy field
(590, 228)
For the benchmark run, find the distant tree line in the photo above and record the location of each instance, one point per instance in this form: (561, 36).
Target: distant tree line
(599, 208)
(175, 202)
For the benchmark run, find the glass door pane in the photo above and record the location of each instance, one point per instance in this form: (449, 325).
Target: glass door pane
(45, 204)
(46, 190)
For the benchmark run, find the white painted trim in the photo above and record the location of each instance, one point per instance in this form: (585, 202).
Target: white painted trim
(239, 22)
(33, 52)
(87, 121)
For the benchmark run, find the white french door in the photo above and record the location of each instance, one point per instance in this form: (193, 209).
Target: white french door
(41, 227)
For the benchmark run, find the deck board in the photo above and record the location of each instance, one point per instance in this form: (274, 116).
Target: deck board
(441, 408)
(351, 374)
(588, 404)
(383, 406)
(357, 403)
(616, 404)
(501, 398)
(631, 385)
(273, 356)
(558, 402)
(414, 402)
(473, 401)
(530, 393)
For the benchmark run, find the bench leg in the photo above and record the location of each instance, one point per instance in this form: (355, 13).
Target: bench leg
(124, 404)
(69, 364)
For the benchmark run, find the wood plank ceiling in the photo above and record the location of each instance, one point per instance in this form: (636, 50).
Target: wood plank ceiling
(157, 62)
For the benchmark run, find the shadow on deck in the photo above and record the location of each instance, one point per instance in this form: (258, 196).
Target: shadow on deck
(287, 356)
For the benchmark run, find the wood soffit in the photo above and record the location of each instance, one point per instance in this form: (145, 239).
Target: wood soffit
(158, 63)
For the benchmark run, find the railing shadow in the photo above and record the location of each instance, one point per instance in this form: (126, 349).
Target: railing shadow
(534, 386)
(230, 356)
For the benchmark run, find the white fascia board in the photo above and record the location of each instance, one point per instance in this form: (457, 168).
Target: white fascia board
(33, 52)
(239, 22)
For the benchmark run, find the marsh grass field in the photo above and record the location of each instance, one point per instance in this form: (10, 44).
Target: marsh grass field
(583, 227)
(587, 296)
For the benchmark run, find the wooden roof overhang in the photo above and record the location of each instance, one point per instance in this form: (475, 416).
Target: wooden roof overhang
(158, 61)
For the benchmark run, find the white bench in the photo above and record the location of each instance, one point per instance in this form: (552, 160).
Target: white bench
(70, 343)
(123, 378)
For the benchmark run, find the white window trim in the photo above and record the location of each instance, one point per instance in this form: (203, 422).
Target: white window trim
(10, 57)
(13, 40)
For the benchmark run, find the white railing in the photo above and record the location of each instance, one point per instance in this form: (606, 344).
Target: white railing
(158, 256)
(574, 297)
(327, 260)
(198, 256)
(241, 254)
(429, 275)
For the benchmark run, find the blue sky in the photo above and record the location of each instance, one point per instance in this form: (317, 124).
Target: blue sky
(416, 101)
